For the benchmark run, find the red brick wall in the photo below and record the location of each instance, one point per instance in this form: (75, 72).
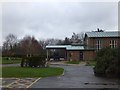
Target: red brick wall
(74, 55)
(89, 55)
(105, 42)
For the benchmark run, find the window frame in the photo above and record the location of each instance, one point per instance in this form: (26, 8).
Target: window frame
(98, 44)
(113, 43)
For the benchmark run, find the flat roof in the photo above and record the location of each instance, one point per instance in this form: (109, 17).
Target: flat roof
(57, 46)
(67, 47)
(75, 48)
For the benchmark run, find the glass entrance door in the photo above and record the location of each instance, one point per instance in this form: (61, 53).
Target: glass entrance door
(81, 55)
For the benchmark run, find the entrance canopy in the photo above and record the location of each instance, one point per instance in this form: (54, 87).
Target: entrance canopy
(72, 52)
(67, 47)
(64, 47)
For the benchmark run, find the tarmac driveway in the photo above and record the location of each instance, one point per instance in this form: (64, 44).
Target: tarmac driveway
(75, 76)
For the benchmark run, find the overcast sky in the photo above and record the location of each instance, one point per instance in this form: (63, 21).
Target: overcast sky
(57, 19)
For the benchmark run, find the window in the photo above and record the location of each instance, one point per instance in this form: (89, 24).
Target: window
(113, 43)
(98, 44)
(87, 41)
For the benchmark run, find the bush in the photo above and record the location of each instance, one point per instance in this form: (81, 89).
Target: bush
(107, 63)
(34, 61)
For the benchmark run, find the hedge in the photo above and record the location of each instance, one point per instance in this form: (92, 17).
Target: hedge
(107, 63)
(34, 61)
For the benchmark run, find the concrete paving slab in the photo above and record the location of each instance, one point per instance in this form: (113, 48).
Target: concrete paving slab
(7, 81)
(18, 82)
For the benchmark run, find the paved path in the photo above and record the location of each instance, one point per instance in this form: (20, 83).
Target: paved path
(9, 65)
(75, 76)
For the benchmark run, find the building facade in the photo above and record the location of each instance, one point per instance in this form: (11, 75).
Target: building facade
(98, 40)
(93, 42)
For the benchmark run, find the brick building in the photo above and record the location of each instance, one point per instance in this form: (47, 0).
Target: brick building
(93, 41)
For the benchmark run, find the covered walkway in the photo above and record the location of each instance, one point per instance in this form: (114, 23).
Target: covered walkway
(70, 52)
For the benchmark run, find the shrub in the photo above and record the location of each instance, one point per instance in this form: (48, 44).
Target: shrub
(107, 63)
(34, 61)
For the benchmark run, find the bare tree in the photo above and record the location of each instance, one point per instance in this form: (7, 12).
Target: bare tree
(60, 42)
(81, 37)
(10, 41)
(5, 46)
(42, 43)
(30, 46)
(36, 48)
(50, 41)
(77, 38)
(67, 41)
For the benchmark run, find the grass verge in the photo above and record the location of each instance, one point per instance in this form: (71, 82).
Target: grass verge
(31, 72)
(91, 63)
(73, 62)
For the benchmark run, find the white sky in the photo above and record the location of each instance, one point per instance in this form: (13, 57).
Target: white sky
(56, 19)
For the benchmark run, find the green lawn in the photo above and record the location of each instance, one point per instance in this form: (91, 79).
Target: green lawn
(5, 60)
(72, 62)
(30, 72)
(91, 63)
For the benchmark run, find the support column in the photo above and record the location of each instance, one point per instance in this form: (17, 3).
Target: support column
(47, 61)
(47, 54)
